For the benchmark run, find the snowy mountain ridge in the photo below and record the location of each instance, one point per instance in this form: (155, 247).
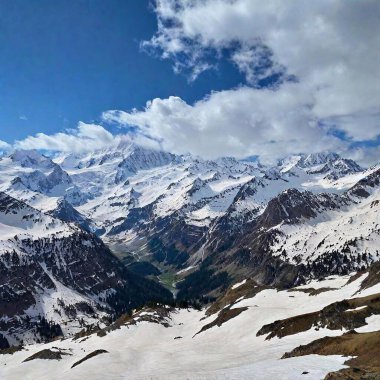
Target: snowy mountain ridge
(177, 211)
(56, 279)
(204, 224)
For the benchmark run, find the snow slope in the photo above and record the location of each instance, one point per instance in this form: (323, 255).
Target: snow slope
(353, 230)
(232, 351)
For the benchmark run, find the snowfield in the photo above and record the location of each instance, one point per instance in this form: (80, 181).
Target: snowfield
(232, 351)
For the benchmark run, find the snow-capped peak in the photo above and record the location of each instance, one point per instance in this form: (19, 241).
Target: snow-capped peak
(31, 159)
(318, 159)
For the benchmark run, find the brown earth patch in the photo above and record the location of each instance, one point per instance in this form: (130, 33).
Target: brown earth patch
(86, 332)
(248, 290)
(373, 277)
(48, 354)
(223, 316)
(364, 347)
(312, 291)
(355, 277)
(159, 315)
(89, 356)
(334, 317)
(11, 350)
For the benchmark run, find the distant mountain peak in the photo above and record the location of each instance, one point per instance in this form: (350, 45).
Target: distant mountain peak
(31, 158)
(331, 165)
(313, 159)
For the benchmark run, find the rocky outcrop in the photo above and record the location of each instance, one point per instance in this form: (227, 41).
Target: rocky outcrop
(67, 266)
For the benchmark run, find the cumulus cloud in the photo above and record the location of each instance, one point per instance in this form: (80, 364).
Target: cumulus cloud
(330, 46)
(324, 54)
(239, 122)
(256, 63)
(86, 137)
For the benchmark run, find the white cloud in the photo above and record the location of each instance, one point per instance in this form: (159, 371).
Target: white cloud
(331, 46)
(250, 58)
(366, 156)
(86, 137)
(239, 122)
(4, 145)
(23, 117)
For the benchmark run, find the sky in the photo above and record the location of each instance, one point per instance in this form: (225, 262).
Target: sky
(208, 77)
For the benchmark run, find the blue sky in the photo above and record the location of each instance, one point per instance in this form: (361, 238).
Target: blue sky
(65, 61)
(208, 77)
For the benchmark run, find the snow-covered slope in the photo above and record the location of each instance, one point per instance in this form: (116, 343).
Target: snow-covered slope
(179, 210)
(36, 179)
(56, 279)
(166, 343)
(353, 230)
(300, 234)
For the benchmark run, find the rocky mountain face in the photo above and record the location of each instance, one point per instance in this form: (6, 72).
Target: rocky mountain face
(301, 235)
(308, 216)
(57, 279)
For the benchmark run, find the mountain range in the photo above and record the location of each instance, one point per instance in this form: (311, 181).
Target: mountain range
(85, 238)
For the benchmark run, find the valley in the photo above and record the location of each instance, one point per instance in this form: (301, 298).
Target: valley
(135, 255)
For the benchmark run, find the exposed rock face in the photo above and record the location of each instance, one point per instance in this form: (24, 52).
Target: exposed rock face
(331, 165)
(306, 217)
(31, 159)
(347, 314)
(51, 272)
(66, 212)
(301, 235)
(224, 316)
(362, 347)
(142, 159)
(3, 342)
(48, 354)
(364, 187)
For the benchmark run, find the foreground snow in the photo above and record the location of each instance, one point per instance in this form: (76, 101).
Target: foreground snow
(233, 351)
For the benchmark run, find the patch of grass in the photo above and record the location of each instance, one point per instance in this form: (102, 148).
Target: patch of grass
(168, 279)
